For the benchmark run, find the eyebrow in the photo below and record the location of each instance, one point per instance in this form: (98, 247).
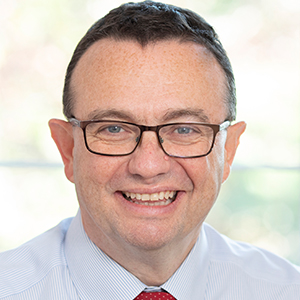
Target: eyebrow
(110, 113)
(170, 115)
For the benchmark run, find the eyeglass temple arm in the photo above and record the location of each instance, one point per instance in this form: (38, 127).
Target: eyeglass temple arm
(224, 125)
(74, 122)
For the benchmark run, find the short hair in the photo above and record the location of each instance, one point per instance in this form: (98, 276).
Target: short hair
(147, 22)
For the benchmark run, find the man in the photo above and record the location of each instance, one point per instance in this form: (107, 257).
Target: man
(149, 97)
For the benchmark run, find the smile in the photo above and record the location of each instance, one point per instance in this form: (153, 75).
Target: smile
(155, 199)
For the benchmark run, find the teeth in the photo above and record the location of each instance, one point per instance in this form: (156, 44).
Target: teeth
(145, 197)
(155, 197)
(153, 203)
(161, 195)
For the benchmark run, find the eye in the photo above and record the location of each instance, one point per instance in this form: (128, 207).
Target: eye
(107, 129)
(184, 130)
(114, 129)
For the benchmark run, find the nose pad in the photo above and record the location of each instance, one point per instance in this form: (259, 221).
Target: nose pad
(161, 139)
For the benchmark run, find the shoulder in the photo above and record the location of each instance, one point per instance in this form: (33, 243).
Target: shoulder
(253, 261)
(30, 263)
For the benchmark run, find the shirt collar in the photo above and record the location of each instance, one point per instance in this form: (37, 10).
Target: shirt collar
(97, 276)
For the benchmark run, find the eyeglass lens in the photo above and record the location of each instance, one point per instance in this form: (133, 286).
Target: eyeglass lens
(180, 139)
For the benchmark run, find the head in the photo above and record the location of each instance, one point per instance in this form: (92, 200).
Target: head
(148, 64)
(150, 22)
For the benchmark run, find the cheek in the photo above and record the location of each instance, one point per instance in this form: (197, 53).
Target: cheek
(92, 181)
(206, 174)
(94, 174)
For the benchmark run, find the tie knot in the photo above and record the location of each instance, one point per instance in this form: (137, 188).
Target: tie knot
(154, 296)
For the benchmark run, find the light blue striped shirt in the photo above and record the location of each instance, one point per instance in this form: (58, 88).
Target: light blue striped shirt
(64, 264)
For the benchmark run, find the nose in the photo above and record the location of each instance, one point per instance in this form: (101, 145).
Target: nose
(149, 160)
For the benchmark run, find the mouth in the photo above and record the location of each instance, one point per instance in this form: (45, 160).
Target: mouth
(155, 199)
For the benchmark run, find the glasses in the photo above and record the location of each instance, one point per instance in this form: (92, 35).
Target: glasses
(116, 138)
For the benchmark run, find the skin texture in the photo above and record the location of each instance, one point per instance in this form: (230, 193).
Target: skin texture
(160, 83)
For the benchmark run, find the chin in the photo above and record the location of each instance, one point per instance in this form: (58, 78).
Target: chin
(150, 238)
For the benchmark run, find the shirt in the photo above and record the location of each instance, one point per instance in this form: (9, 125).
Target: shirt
(63, 263)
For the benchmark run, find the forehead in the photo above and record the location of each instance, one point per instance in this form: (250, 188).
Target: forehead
(148, 82)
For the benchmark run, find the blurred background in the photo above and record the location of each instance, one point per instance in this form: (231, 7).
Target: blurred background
(259, 203)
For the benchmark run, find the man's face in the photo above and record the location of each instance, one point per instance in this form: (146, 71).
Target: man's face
(161, 83)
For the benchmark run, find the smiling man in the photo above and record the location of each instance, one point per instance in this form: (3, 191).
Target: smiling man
(149, 99)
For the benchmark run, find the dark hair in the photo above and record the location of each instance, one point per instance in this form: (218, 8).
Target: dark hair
(147, 22)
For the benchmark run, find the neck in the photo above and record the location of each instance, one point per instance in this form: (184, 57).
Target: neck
(153, 267)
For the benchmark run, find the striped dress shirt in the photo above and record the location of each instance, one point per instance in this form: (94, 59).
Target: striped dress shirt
(64, 264)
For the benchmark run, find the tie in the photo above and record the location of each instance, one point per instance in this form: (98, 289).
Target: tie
(154, 296)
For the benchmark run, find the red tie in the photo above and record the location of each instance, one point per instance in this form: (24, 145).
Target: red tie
(154, 296)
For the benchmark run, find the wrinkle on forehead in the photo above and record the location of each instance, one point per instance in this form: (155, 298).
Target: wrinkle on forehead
(171, 115)
(105, 56)
(111, 71)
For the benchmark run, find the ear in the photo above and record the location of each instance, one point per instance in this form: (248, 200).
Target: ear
(234, 133)
(62, 134)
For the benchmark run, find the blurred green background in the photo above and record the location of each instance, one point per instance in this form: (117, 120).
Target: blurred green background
(259, 203)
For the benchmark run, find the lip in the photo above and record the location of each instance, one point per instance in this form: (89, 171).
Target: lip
(149, 190)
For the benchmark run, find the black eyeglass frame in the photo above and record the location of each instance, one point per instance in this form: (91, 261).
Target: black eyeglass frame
(215, 127)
